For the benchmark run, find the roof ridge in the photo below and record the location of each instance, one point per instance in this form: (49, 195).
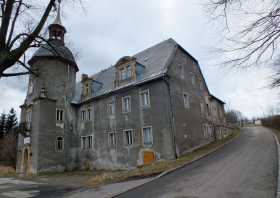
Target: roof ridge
(156, 45)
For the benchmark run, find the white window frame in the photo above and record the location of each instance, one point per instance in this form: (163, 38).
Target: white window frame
(125, 137)
(186, 100)
(111, 108)
(147, 99)
(124, 105)
(114, 142)
(59, 116)
(152, 136)
(126, 73)
(56, 144)
(86, 146)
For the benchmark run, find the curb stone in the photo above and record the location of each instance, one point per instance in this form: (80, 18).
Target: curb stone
(183, 165)
(278, 165)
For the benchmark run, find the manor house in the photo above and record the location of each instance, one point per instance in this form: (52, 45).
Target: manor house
(146, 107)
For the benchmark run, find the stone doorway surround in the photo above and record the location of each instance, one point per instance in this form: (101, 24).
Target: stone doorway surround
(26, 160)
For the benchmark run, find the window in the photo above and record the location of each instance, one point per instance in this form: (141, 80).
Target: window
(59, 115)
(111, 108)
(28, 119)
(83, 115)
(208, 109)
(128, 72)
(128, 137)
(59, 144)
(186, 100)
(147, 136)
(112, 138)
(88, 89)
(30, 88)
(126, 106)
(125, 73)
(193, 79)
(145, 98)
(89, 114)
(86, 142)
(202, 108)
(201, 85)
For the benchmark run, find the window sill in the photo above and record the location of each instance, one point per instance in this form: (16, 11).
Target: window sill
(130, 146)
(148, 145)
(145, 107)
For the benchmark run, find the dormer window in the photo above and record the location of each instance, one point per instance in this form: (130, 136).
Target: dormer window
(125, 73)
(87, 89)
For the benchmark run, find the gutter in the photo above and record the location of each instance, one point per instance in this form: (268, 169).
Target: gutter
(172, 120)
(122, 88)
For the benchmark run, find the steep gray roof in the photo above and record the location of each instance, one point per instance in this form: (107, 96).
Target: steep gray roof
(154, 59)
(54, 48)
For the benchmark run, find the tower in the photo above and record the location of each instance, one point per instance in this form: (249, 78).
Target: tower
(45, 114)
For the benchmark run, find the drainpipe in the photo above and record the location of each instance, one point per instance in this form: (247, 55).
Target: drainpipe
(172, 121)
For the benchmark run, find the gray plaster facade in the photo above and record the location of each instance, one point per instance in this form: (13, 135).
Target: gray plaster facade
(151, 106)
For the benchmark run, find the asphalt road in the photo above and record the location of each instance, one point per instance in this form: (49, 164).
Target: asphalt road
(245, 168)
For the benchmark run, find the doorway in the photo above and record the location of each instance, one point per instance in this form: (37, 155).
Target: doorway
(25, 162)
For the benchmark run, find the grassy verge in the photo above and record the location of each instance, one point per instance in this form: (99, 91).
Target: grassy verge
(158, 167)
(7, 171)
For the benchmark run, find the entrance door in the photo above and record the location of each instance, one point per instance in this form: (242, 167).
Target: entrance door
(149, 157)
(25, 161)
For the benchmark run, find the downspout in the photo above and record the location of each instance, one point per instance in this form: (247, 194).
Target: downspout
(172, 120)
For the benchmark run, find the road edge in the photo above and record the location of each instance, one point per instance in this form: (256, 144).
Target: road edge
(183, 165)
(278, 165)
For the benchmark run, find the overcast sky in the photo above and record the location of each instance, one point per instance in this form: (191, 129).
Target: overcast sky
(103, 31)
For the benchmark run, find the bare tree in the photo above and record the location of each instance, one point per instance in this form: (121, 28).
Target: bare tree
(257, 41)
(16, 40)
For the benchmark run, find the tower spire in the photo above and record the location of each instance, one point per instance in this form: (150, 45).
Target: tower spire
(56, 29)
(58, 16)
